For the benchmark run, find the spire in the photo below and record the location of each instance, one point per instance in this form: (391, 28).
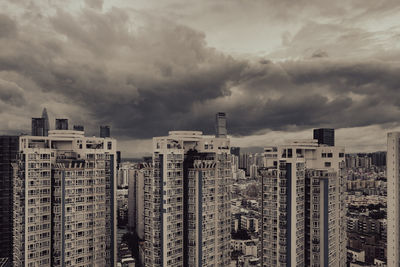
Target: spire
(46, 127)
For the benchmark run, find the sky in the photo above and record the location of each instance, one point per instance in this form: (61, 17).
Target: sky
(278, 68)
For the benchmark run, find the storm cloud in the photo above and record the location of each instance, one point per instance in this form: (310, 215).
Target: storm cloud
(145, 74)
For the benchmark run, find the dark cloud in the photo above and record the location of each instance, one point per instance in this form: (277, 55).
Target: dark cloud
(146, 75)
(11, 94)
(8, 27)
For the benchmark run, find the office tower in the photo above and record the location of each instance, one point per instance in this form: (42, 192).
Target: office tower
(302, 205)
(38, 127)
(79, 128)
(61, 124)
(220, 125)
(235, 151)
(64, 201)
(187, 201)
(393, 199)
(142, 172)
(9, 146)
(46, 124)
(325, 136)
(105, 131)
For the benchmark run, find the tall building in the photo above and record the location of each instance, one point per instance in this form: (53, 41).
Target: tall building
(61, 124)
(220, 125)
(303, 205)
(38, 127)
(142, 172)
(9, 146)
(393, 199)
(105, 131)
(325, 136)
(187, 201)
(64, 201)
(46, 124)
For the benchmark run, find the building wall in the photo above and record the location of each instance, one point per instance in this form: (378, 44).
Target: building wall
(393, 201)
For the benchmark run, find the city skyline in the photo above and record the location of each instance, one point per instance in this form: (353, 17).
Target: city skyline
(150, 67)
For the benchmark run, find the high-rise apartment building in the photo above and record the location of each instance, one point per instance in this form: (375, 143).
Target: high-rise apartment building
(325, 136)
(64, 201)
(9, 146)
(393, 199)
(302, 205)
(187, 201)
(220, 125)
(140, 173)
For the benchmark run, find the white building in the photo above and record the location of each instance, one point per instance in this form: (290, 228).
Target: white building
(187, 201)
(393, 199)
(303, 205)
(64, 201)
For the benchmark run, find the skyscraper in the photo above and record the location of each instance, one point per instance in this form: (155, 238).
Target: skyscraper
(303, 205)
(9, 146)
(64, 201)
(393, 199)
(220, 125)
(46, 124)
(105, 131)
(187, 201)
(38, 127)
(61, 124)
(325, 136)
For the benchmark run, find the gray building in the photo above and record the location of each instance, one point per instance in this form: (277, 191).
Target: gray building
(105, 131)
(220, 125)
(325, 136)
(61, 124)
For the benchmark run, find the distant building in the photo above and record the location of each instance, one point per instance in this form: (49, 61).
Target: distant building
(136, 197)
(325, 136)
(220, 125)
(61, 124)
(105, 131)
(187, 201)
(38, 128)
(46, 126)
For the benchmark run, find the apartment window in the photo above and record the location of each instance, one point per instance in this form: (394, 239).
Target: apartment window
(330, 155)
(341, 155)
(109, 145)
(327, 164)
(323, 155)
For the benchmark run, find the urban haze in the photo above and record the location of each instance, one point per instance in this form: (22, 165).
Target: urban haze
(199, 133)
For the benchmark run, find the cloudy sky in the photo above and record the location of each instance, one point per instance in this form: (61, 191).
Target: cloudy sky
(278, 68)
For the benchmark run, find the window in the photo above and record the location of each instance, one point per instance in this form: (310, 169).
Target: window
(341, 155)
(327, 164)
(109, 145)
